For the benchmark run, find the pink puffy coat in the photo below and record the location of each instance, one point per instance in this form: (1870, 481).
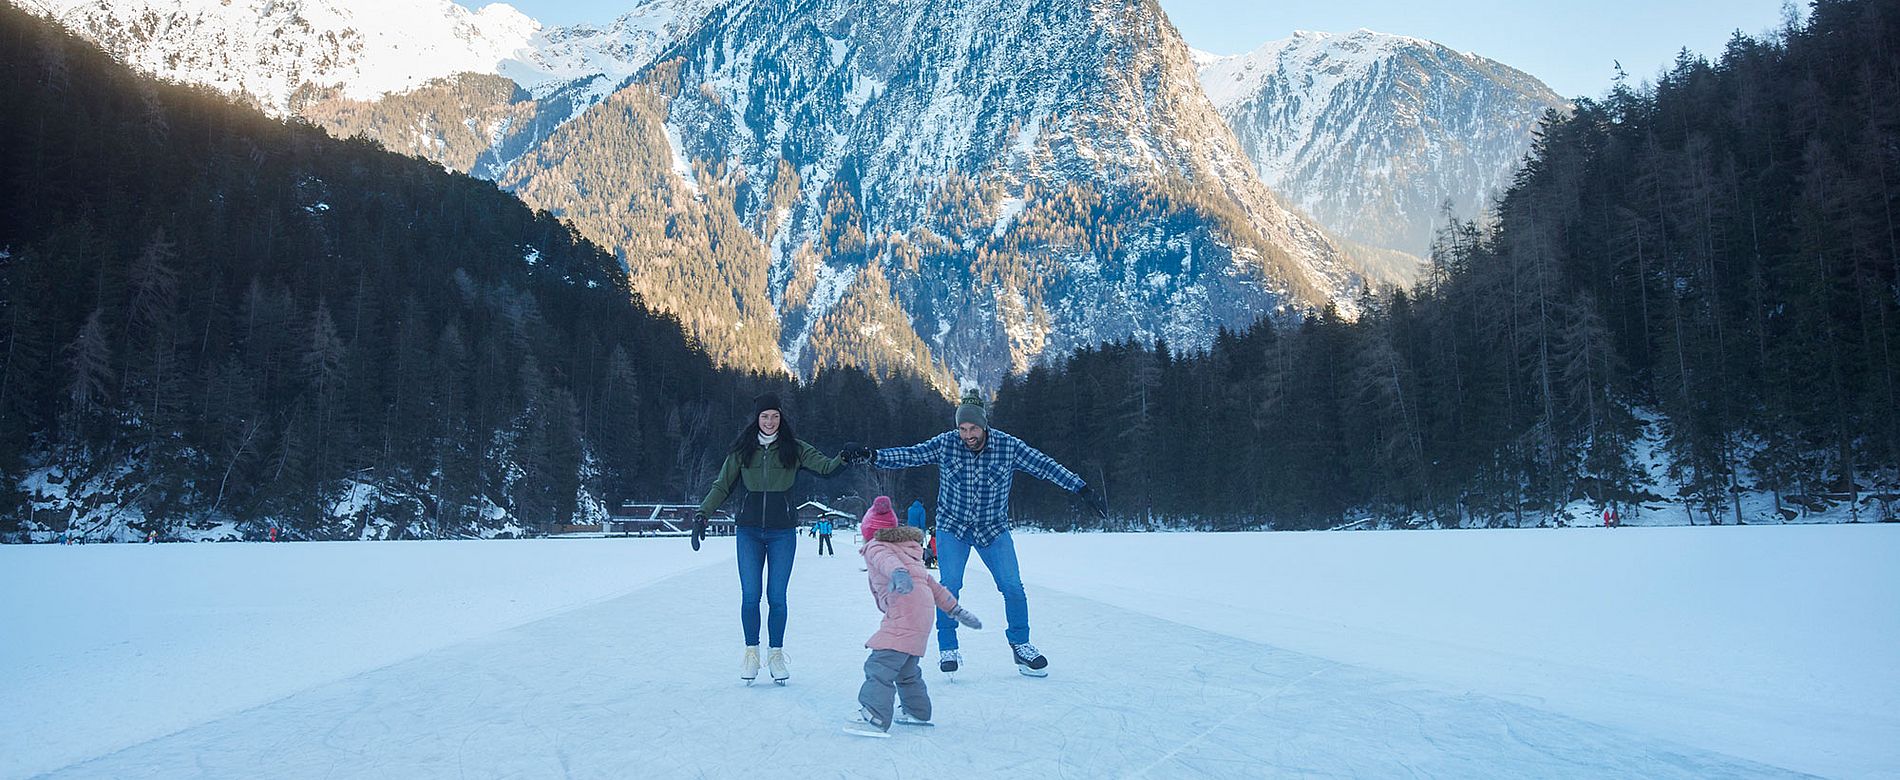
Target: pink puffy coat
(908, 617)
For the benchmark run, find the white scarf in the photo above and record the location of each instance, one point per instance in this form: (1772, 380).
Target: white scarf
(766, 441)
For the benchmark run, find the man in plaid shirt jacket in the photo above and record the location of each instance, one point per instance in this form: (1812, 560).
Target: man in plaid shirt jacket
(976, 465)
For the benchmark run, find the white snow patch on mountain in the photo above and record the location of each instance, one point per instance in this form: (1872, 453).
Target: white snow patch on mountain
(1006, 214)
(682, 167)
(830, 288)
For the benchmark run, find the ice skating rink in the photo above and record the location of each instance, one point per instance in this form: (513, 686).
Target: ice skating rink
(1447, 654)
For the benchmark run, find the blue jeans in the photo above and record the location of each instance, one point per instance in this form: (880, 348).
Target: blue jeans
(757, 548)
(1000, 556)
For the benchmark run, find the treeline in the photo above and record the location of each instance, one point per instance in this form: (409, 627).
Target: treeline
(211, 318)
(1718, 249)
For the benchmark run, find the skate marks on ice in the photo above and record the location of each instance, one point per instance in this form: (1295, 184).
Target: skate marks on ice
(647, 686)
(1131, 695)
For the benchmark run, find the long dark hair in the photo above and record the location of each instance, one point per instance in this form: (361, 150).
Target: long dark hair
(748, 441)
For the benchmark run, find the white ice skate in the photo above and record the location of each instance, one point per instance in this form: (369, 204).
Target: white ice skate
(749, 666)
(861, 725)
(775, 663)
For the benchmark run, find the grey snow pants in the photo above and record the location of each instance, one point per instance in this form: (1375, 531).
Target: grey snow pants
(889, 672)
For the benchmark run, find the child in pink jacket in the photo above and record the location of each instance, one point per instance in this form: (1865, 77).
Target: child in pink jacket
(909, 598)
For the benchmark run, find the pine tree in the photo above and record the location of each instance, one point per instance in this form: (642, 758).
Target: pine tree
(90, 375)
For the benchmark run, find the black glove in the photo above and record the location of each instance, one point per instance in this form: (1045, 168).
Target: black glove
(1093, 500)
(699, 529)
(858, 455)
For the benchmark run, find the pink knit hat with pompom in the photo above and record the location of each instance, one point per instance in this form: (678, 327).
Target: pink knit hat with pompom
(878, 517)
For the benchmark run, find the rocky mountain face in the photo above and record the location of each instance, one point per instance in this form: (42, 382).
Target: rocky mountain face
(954, 192)
(1372, 134)
(958, 190)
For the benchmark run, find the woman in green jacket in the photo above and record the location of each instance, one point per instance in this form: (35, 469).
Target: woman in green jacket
(765, 458)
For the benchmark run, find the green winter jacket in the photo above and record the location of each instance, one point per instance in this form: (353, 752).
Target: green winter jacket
(768, 484)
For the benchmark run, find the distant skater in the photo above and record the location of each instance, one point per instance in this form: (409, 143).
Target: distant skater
(824, 538)
(919, 520)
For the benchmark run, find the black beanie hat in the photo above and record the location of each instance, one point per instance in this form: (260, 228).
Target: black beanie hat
(765, 401)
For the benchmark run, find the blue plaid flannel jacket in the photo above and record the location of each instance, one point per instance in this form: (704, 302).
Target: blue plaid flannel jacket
(973, 487)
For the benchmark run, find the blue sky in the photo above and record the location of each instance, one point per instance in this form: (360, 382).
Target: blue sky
(1569, 44)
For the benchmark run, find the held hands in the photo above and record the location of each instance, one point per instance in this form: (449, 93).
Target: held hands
(699, 529)
(857, 456)
(1093, 500)
(900, 582)
(963, 616)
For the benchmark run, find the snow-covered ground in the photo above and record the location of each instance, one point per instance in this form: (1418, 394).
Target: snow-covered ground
(1691, 652)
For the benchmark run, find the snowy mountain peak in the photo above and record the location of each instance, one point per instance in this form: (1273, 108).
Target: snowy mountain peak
(1203, 58)
(1370, 132)
(272, 49)
(614, 51)
(1332, 56)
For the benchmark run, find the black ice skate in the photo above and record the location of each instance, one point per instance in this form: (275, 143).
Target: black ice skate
(1029, 661)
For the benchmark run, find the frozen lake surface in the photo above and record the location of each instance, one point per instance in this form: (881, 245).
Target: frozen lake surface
(1656, 652)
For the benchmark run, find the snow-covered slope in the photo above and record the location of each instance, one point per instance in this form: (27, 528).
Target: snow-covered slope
(1371, 133)
(562, 55)
(271, 50)
(1028, 176)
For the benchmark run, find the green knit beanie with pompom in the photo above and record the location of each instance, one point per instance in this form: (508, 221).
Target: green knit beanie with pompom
(971, 410)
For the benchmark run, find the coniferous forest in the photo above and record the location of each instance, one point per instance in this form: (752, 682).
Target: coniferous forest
(210, 319)
(1712, 259)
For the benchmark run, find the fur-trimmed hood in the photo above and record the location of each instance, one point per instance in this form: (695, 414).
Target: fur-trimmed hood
(902, 533)
(907, 616)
